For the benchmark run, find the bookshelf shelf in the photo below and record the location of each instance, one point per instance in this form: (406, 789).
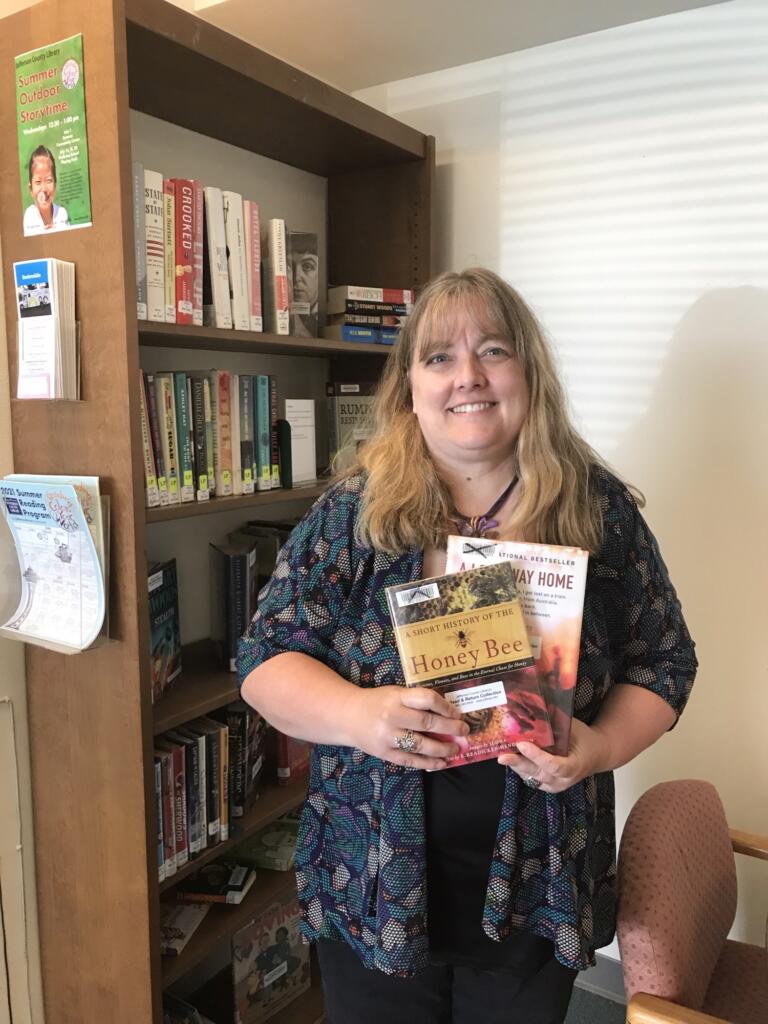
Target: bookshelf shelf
(222, 921)
(216, 339)
(169, 513)
(202, 686)
(273, 801)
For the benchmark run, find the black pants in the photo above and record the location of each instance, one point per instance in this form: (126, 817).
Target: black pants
(537, 993)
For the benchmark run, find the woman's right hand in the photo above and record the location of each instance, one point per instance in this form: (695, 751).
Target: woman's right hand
(382, 715)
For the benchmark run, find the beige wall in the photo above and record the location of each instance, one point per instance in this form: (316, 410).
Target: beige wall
(620, 181)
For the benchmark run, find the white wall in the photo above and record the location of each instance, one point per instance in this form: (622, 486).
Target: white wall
(620, 181)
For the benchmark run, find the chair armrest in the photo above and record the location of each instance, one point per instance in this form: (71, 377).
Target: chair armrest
(750, 843)
(645, 1009)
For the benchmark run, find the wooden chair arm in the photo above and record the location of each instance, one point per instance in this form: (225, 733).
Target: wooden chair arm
(750, 843)
(645, 1009)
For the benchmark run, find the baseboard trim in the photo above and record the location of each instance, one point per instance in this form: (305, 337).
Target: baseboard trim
(604, 979)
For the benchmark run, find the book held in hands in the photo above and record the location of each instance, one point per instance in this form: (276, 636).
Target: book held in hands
(464, 634)
(551, 581)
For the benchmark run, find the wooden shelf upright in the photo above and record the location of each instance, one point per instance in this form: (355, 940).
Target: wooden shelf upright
(91, 716)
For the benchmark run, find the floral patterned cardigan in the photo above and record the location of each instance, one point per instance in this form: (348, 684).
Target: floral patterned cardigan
(361, 868)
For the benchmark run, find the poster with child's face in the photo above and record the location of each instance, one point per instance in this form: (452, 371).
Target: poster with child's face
(53, 138)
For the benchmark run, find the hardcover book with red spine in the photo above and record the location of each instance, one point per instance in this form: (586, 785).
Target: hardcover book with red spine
(181, 836)
(339, 295)
(165, 759)
(253, 262)
(292, 758)
(184, 191)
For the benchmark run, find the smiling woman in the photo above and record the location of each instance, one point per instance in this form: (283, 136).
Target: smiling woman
(469, 394)
(490, 884)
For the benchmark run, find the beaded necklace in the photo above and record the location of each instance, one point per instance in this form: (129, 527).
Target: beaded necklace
(478, 526)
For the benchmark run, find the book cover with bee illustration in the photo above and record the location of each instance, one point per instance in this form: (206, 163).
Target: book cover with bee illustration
(551, 581)
(464, 634)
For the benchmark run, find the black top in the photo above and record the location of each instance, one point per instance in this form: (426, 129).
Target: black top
(463, 806)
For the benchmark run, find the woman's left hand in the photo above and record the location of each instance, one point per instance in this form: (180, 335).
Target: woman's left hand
(588, 753)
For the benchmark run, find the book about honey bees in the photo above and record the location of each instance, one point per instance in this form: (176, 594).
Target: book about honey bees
(550, 581)
(464, 634)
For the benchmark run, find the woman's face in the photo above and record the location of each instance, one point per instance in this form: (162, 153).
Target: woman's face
(468, 390)
(42, 185)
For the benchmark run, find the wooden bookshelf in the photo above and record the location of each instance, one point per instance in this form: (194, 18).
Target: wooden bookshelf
(272, 802)
(92, 724)
(260, 499)
(222, 921)
(214, 338)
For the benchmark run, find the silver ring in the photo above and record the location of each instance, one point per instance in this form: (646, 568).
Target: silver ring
(532, 782)
(406, 742)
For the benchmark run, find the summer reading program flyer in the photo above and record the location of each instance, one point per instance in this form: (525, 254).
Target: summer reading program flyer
(53, 138)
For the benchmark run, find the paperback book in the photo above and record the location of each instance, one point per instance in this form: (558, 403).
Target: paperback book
(164, 631)
(464, 634)
(303, 283)
(350, 420)
(550, 581)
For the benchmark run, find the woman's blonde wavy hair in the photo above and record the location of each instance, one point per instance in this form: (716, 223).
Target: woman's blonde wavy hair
(405, 504)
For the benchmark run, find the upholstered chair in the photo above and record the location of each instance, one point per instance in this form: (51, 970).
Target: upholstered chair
(677, 902)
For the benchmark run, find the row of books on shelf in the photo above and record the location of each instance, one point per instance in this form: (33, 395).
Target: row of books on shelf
(270, 962)
(219, 434)
(203, 257)
(208, 774)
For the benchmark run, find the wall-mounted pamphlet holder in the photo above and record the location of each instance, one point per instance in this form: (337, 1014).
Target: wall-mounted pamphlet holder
(48, 337)
(54, 561)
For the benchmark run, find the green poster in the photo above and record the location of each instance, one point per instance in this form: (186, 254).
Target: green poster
(53, 139)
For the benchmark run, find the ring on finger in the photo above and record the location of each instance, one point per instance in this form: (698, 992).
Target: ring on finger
(406, 741)
(532, 782)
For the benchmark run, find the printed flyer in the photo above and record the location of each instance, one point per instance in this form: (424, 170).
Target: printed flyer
(53, 138)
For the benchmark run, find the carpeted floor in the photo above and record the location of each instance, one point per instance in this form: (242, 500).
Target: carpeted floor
(587, 1008)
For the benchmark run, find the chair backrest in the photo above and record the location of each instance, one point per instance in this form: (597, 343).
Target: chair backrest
(677, 891)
